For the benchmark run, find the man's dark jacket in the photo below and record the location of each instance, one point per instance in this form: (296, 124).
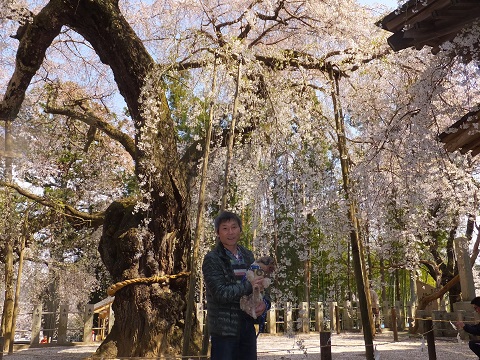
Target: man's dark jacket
(223, 291)
(472, 329)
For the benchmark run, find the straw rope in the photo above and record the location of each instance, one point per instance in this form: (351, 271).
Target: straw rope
(153, 279)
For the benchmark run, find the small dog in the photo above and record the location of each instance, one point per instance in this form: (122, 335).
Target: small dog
(262, 267)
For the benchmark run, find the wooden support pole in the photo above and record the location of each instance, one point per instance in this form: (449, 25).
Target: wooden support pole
(337, 319)
(325, 345)
(432, 355)
(394, 324)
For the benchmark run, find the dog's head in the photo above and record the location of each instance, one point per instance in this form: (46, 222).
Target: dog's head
(267, 264)
(262, 267)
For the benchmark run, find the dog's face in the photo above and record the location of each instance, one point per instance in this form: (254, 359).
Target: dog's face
(262, 267)
(267, 265)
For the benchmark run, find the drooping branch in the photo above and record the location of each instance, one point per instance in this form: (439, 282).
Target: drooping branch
(129, 63)
(76, 216)
(89, 118)
(294, 59)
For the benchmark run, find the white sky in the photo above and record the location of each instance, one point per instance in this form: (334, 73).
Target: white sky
(392, 4)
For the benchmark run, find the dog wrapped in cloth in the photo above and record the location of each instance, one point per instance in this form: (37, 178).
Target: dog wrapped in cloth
(262, 267)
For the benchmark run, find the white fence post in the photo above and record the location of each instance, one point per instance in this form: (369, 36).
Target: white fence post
(347, 316)
(304, 315)
(333, 316)
(111, 318)
(272, 320)
(288, 318)
(318, 316)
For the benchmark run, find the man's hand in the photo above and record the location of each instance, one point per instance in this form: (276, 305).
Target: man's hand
(459, 324)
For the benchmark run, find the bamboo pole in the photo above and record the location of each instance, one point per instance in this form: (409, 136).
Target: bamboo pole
(199, 228)
(231, 138)
(355, 239)
(8, 305)
(17, 286)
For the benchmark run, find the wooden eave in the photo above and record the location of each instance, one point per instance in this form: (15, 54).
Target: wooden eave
(464, 135)
(417, 24)
(103, 305)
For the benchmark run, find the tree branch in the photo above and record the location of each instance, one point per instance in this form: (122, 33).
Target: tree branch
(76, 216)
(89, 118)
(35, 38)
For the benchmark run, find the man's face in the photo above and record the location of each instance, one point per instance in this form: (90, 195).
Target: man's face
(476, 308)
(229, 233)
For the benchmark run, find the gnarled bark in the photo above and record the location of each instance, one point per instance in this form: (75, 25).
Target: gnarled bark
(148, 317)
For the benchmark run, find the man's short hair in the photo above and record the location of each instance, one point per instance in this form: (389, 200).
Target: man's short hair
(225, 216)
(476, 301)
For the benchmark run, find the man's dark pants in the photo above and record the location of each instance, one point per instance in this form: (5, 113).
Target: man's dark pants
(474, 345)
(243, 347)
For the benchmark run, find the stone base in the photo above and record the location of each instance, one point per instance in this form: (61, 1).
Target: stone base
(465, 313)
(462, 305)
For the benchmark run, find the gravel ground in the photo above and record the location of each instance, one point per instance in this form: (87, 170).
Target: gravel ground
(351, 347)
(301, 347)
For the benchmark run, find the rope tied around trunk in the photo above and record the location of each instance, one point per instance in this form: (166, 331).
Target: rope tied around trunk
(153, 279)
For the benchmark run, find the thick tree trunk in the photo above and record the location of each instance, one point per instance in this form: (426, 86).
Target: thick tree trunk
(148, 317)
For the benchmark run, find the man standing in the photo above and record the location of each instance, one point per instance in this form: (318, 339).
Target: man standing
(473, 329)
(232, 330)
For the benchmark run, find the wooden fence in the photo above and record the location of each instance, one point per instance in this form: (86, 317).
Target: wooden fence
(317, 317)
(304, 318)
(61, 330)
